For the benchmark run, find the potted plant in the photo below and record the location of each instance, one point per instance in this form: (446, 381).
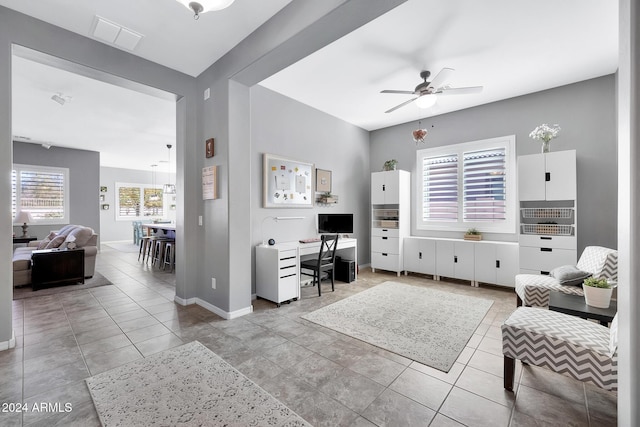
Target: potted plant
(597, 292)
(327, 198)
(390, 165)
(472, 234)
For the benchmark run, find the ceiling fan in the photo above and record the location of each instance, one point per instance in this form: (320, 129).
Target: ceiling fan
(426, 91)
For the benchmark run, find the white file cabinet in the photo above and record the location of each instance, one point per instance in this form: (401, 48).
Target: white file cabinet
(277, 273)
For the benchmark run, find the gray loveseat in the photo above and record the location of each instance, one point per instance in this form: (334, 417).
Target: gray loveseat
(82, 237)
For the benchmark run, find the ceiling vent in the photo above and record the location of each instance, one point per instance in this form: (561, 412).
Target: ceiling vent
(115, 34)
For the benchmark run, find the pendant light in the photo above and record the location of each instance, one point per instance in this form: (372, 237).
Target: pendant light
(154, 197)
(169, 188)
(419, 134)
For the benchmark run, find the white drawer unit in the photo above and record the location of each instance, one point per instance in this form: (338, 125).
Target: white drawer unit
(390, 218)
(277, 274)
(548, 211)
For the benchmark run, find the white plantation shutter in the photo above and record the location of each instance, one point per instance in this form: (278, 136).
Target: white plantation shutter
(42, 191)
(468, 185)
(484, 182)
(440, 184)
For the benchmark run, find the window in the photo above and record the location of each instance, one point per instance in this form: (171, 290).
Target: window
(470, 185)
(42, 191)
(136, 201)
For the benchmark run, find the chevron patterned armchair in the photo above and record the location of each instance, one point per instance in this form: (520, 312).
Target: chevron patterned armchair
(532, 290)
(563, 343)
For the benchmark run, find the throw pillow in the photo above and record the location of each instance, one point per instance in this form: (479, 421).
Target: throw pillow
(569, 275)
(80, 236)
(56, 242)
(43, 244)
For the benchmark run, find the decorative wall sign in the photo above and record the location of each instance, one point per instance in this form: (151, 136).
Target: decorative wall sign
(103, 189)
(105, 207)
(209, 147)
(210, 183)
(323, 181)
(287, 183)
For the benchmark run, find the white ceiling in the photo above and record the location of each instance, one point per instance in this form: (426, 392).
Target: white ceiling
(510, 48)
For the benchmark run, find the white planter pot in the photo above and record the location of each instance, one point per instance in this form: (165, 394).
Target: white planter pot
(597, 297)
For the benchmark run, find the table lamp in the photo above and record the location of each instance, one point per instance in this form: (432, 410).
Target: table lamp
(24, 217)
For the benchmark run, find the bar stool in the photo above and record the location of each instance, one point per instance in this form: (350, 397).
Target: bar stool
(169, 256)
(159, 247)
(145, 243)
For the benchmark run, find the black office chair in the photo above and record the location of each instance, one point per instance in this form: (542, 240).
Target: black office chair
(325, 262)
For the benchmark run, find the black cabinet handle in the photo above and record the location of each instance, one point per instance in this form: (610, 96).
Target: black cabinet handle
(455, 258)
(546, 273)
(546, 250)
(384, 254)
(497, 263)
(547, 176)
(545, 238)
(384, 238)
(419, 255)
(384, 187)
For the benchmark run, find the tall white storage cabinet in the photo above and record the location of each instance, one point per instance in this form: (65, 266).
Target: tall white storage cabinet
(547, 192)
(390, 218)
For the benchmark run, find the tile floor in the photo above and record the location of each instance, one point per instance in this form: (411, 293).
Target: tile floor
(327, 378)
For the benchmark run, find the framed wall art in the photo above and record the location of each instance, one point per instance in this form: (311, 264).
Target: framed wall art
(287, 183)
(323, 181)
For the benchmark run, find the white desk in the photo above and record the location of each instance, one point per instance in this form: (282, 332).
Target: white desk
(278, 267)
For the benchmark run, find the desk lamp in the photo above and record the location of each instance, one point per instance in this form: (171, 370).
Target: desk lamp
(24, 217)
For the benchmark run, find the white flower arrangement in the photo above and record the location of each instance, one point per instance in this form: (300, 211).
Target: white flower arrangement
(545, 132)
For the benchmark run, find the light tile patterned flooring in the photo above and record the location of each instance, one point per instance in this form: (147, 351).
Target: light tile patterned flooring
(327, 378)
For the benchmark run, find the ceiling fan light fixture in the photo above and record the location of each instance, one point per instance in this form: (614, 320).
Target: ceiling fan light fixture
(204, 6)
(426, 101)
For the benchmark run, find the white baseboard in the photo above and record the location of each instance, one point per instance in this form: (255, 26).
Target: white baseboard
(212, 308)
(6, 345)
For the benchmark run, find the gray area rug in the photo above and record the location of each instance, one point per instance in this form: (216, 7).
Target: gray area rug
(429, 326)
(22, 292)
(187, 385)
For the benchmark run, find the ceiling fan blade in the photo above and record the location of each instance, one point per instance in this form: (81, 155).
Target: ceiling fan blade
(403, 92)
(441, 77)
(460, 90)
(401, 105)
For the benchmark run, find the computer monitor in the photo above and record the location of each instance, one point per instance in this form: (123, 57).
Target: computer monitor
(330, 223)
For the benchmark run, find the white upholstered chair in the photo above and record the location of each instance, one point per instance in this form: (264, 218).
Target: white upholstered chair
(533, 289)
(563, 343)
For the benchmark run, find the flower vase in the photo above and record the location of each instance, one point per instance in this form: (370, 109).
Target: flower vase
(546, 146)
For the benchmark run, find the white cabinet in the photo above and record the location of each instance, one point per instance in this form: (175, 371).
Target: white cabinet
(387, 187)
(548, 211)
(390, 217)
(455, 259)
(547, 176)
(496, 262)
(277, 273)
(420, 255)
(483, 261)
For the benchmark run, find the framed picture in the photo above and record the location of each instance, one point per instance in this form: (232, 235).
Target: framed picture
(209, 147)
(103, 189)
(323, 181)
(287, 183)
(105, 207)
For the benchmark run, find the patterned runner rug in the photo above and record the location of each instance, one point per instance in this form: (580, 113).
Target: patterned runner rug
(429, 326)
(187, 385)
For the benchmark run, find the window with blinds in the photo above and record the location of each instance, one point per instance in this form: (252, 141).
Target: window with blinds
(138, 201)
(41, 191)
(469, 185)
(484, 182)
(440, 184)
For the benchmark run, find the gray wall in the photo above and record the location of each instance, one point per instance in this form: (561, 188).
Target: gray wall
(586, 112)
(84, 182)
(112, 230)
(287, 128)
